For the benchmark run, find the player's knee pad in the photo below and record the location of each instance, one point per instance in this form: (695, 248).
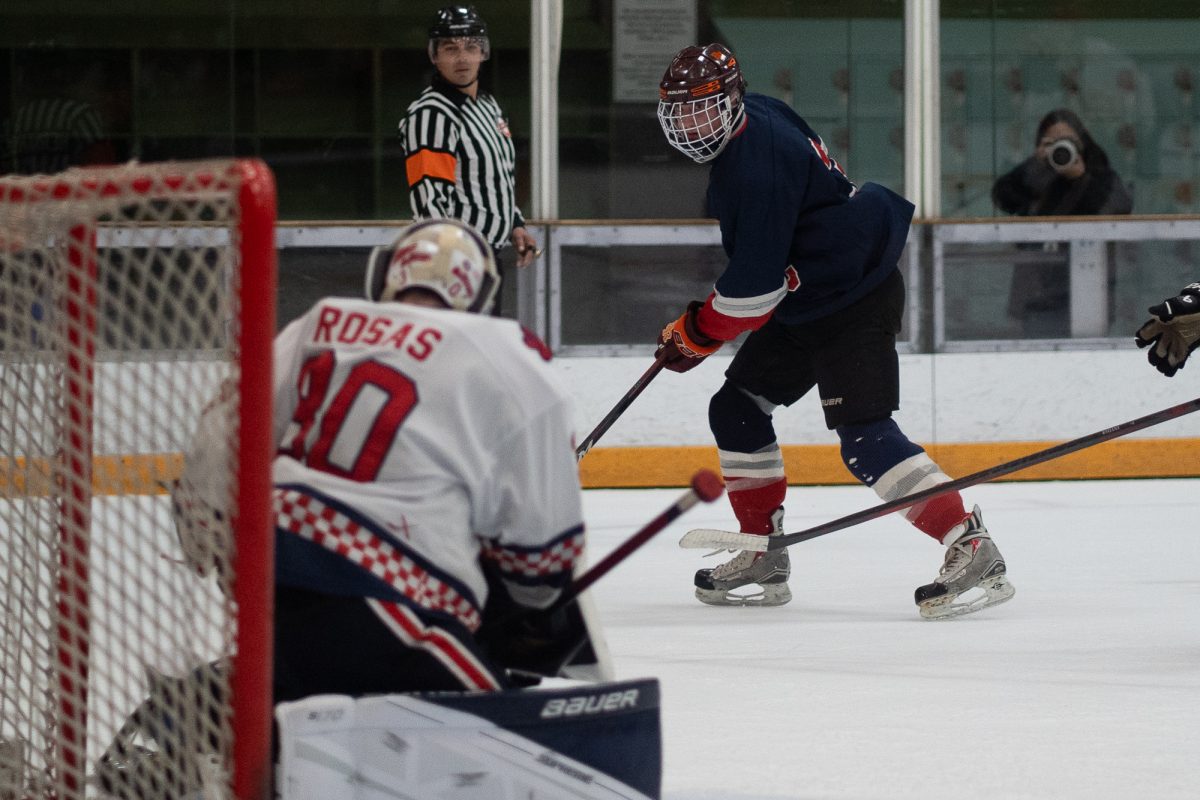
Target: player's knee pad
(739, 421)
(871, 449)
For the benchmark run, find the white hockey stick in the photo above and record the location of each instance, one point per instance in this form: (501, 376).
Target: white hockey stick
(716, 539)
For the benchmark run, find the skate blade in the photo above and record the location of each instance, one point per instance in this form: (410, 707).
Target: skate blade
(773, 594)
(996, 590)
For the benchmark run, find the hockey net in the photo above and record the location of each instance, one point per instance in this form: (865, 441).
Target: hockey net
(131, 667)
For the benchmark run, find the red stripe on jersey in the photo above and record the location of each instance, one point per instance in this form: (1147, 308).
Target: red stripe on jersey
(715, 325)
(443, 646)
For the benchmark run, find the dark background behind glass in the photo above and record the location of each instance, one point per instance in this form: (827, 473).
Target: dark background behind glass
(314, 88)
(317, 89)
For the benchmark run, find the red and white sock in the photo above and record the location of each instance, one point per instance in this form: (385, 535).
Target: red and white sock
(754, 502)
(936, 518)
(940, 517)
(756, 486)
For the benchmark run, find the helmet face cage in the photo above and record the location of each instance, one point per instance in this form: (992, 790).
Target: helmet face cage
(700, 129)
(443, 256)
(700, 100)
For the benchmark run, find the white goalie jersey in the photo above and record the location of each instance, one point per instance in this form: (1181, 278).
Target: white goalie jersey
(409, 440)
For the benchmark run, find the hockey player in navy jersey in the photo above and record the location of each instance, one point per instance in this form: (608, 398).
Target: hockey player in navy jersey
(813, 277)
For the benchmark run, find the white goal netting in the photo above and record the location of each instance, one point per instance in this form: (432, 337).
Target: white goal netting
(124, 299)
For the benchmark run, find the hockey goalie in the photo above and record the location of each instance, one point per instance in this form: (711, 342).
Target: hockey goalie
(428, 515)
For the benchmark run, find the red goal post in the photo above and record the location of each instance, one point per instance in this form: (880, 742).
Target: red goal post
(130, 297)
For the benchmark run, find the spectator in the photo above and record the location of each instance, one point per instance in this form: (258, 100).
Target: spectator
(1067, 175)
(459, 153)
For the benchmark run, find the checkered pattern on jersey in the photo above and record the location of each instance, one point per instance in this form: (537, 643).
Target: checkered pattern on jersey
(310, 518)
(551, 563)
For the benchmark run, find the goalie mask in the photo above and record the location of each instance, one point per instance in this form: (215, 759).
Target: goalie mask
(700, 101)
(459, 22)
(443, 256)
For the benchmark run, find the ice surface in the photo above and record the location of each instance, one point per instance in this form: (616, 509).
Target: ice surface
(1085, 685)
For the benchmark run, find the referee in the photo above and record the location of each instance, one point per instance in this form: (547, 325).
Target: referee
(459, 153)
(50, 134)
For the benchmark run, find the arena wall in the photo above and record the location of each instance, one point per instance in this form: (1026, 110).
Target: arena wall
(971, 411)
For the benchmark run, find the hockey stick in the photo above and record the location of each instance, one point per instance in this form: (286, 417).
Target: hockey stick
(619, 408)
(705, 486)
(707, 538)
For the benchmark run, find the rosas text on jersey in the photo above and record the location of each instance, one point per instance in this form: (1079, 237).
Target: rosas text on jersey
(335, 326)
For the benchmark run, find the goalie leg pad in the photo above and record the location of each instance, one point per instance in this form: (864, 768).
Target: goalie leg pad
(168, 747)
(590, 742)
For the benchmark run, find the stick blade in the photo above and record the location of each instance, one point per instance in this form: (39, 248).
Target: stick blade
(712, 539)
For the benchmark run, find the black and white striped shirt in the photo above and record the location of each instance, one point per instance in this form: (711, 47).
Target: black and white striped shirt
(48, 135)
(461, 161)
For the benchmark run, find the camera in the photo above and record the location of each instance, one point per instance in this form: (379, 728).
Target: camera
(1062, 154)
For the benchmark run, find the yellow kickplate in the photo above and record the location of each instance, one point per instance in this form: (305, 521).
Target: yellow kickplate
(645, 467)
(640, 467)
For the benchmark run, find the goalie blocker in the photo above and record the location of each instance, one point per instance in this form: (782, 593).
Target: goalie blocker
(596, 741)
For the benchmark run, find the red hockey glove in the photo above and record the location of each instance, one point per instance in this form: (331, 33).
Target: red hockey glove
(1174, 330)
(681, 345)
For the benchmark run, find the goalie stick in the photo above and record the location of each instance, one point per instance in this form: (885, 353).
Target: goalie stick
(705, 486)
(619, 408)
(716, 539)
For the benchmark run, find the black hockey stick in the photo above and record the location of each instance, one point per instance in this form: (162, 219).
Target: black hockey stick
(748, 541)
(619, 408)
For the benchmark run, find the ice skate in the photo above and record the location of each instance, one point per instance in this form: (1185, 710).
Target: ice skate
(768, 571)
(972, 577)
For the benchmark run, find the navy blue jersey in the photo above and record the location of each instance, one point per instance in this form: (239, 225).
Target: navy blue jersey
(802, 240)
